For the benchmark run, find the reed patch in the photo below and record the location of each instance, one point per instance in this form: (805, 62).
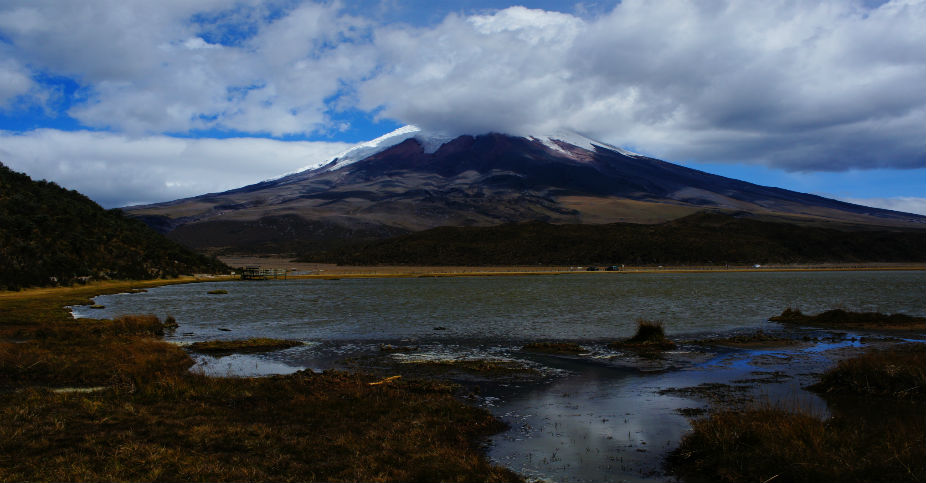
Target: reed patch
(650, 336)
(875, 433)
(843, 319)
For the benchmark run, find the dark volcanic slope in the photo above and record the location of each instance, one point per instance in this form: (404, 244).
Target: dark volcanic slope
(47, 231)
(480, 181)
(700, 239)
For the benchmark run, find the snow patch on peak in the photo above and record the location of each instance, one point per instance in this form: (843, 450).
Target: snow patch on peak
(365, 149)
(578, 140)
(368, 148)
(431, 142)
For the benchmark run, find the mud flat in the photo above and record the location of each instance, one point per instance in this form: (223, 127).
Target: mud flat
(607, 414)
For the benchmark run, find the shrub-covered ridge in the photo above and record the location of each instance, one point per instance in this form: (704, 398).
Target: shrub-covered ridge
(51, 235)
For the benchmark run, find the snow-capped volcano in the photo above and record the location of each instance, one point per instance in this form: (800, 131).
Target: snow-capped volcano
(431, 142)
(410, 180)
(368, 148)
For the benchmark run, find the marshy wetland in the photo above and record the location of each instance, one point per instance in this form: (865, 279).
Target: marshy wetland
(539, 353)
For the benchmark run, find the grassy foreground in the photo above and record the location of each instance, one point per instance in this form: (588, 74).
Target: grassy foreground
(107, 400)
(877, 431)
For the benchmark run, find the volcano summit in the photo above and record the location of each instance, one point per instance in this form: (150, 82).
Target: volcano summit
(409, 181)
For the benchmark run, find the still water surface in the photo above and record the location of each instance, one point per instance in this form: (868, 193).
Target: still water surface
(570, 307)
(598, 417)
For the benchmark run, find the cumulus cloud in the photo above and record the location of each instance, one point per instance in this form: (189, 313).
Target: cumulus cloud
(906, 204)
(802, 86)
(500, 72)
(824, 85)
(145, 67)
(116, 170)
(15, 81)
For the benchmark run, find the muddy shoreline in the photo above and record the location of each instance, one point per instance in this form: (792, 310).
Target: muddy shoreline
(323, 270)
(603, 415)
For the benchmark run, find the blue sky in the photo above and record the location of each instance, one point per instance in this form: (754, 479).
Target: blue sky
(138, 102)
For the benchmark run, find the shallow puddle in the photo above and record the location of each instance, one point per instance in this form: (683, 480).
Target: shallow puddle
(613, 424)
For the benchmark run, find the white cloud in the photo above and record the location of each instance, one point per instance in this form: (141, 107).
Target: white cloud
(822, 85)
(817, 85)
(146, 68)
(500, 72)
(906, 204)
(15, 81)
(117, 170)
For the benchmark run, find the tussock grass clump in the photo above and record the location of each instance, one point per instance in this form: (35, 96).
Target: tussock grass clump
(839, 318)
(555, 347)
(866, 440)
(91, 352)
(137, 325)
(106, 360)
(773, 444)
(650, 336)
(242, 346)
(897, 372)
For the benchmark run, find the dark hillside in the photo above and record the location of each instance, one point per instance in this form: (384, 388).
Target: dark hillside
(48, 233)
(702, 238)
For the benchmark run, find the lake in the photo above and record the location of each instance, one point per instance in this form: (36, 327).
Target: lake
(602, 416)
(518, 308)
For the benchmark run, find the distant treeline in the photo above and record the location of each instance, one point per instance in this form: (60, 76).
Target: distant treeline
(51, 235)
(702, 238)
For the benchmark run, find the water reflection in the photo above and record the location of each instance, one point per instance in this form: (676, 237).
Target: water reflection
(240, 365)
(612, 423)
(599, 425)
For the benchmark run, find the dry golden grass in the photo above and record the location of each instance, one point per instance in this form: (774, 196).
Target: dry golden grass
(304, 427)
(898, 372)
(877, 431)
(154, 420)
(771, 444)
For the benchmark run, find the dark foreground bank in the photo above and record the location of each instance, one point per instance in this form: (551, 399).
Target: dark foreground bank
(108, 400)
(875, 430)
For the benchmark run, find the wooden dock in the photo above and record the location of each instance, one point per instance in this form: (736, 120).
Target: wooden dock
(258, 273)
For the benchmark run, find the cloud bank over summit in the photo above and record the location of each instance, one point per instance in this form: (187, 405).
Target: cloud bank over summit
(828, 85)
(801, 86)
